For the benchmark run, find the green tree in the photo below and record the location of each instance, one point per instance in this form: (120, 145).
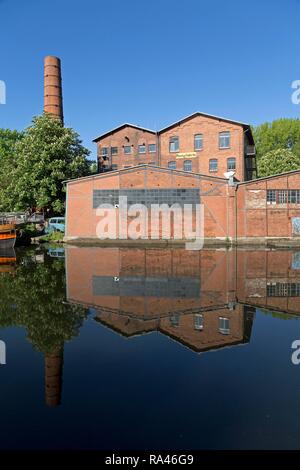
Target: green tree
(278, 161)
(8, 141)
(33, 297)
(47, 154)
(279, 134)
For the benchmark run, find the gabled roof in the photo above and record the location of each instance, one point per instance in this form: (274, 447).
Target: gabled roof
(197, 113)
(246, 127)
(126, 124)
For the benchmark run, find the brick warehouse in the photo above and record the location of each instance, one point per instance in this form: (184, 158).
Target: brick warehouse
(200, 143)
(265, 209)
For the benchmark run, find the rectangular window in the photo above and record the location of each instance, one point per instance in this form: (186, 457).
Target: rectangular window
(114, 166)
(114, 150)
(174, 144)
(187, 165)
(174, 319)
(142, 148)
(152, 148)
(224, 326)
(224, 140)
(283, 196)
(198, 322)
(104, 151)
(172, 165)
(231, 164)
(127, 149)
(283, 289)
(213, 165)
(294, 196)
(198, 142)
(271, 196)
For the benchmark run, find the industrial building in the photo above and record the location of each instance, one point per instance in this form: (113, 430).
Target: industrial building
(199, 160)
(199, 143)
(256, 211)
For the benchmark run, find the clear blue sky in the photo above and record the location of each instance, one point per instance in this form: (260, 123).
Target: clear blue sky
(150, 62)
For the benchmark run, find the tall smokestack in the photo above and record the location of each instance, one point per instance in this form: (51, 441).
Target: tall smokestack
(53, 102)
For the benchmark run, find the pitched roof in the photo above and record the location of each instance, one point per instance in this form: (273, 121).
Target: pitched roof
(184, 119)
(126, 124)
(197, 113)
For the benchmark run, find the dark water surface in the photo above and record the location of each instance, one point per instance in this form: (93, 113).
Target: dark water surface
(149, 349)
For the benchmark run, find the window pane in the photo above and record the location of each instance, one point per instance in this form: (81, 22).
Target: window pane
(187, 165)
(172, 165)
(271, 195)
(224, 140)
(142, 148)
(198, 322)
(114, 150)
(231, 164)
(104, 151)
(224, 326)
(198, 142)
(174, 319)
(174, 144)
(282, 196)
(127, 149)
(292, 196)
(152, 148)
(213, 165)
(114, 167)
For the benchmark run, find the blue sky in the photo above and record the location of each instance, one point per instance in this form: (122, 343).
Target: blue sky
(150, 62)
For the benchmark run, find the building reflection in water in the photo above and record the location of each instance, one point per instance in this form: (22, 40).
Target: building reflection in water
(204, 300)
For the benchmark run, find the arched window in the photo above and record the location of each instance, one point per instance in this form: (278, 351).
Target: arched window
(198, 142)
(231, 164)
(187, 165)
(172, 165)
(213, 165)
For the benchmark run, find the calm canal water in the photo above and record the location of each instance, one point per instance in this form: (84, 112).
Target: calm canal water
(149, 349)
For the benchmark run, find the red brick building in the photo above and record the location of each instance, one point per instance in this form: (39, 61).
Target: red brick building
(262, 210)
(198, 143)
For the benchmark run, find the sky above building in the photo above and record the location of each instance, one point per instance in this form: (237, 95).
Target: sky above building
(150, 62)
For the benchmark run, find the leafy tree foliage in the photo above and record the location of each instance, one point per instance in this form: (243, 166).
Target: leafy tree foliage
(45, 156)
(8, 141)
(278, 161)
(279, 134)
(33, 297)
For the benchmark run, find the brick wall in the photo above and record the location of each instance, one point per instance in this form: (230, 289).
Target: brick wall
(128, 137)
(210, 129)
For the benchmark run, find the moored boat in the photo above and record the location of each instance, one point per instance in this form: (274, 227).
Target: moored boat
(7, 235)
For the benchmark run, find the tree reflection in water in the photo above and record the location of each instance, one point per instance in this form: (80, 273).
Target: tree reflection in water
(33, 297)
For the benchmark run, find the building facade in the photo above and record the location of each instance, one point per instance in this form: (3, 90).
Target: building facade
(266, 209)
(199, 143)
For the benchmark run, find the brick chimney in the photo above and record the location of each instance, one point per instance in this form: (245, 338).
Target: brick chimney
(53, 101)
